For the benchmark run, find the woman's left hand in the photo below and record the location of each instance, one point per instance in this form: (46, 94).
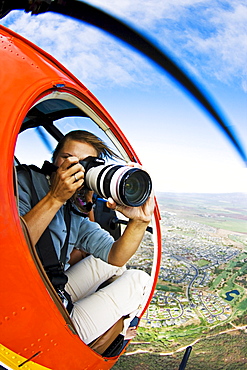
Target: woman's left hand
(142, 213)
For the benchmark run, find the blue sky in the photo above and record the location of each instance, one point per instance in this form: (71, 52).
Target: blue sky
(176, 141)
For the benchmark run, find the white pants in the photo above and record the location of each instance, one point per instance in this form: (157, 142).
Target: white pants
(95, 312)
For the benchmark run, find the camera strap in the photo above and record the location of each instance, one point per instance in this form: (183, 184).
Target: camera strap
(46, 250)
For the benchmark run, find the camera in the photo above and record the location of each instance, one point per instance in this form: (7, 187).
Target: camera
(126, 185)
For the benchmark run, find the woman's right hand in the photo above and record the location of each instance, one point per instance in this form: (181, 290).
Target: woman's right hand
(68, 178)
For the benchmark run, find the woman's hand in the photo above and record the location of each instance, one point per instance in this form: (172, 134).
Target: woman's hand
(68, 178)
(142, 213)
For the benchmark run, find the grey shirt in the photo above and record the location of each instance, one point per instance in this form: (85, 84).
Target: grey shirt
(84, 234)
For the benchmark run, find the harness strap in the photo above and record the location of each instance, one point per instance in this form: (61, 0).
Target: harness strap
(67, 219)
(46, 250)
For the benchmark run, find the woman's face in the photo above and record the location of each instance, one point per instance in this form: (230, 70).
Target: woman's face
(74, 148)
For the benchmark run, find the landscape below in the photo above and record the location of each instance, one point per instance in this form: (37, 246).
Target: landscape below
(201, 295)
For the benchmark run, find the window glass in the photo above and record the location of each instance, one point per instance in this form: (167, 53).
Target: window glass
(36, 145)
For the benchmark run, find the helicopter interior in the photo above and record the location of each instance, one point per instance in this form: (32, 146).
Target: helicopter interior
(47, 121)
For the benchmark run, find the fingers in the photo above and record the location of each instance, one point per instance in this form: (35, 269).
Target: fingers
(134, 164)
(111, 203)
(137, 165)
(68, 163)
(72, 171)
(71, 165)
(68, 178)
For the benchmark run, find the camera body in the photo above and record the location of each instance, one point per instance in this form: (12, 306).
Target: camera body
(127, 185)
(90, 162)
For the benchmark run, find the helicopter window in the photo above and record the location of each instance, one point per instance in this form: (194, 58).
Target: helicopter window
(67, 124)
(54, 105)
(47, 122)
(48, 111)
(59, 113)
(34, 146)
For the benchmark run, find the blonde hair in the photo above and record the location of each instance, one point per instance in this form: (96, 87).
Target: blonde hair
(103, 151)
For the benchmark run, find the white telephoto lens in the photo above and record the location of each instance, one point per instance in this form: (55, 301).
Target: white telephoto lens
(115, 182)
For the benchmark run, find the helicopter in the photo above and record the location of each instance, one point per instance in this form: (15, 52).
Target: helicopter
(37, 91)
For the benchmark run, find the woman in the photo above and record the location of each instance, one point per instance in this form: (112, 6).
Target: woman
(94, 312)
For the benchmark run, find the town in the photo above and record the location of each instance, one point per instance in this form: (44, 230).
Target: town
(189, 291)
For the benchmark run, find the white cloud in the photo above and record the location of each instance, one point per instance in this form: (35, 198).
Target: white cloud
(208, 38)
(96, 59)
(144, 13)
(224, 52)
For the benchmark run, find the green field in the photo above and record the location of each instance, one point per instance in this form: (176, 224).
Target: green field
(168, 287)
(222, 211)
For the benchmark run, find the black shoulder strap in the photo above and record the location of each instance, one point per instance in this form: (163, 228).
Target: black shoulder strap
(46, 250)
(67, 219)
(45, 247)
(47, 254)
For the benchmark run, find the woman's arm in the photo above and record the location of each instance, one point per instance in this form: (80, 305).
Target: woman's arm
(63, 186)
(124, 248)
(76, 256)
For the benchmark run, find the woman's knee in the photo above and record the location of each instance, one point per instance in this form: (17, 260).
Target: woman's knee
(137, 277)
